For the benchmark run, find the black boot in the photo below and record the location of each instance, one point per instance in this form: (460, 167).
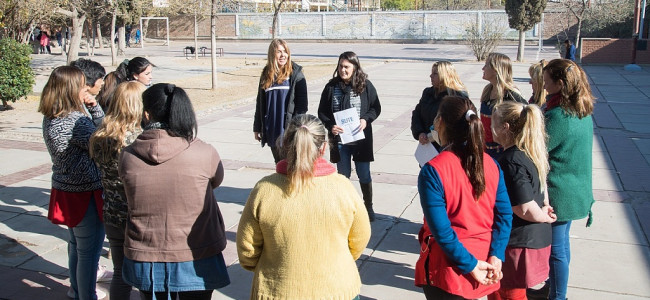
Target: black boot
(366, 190)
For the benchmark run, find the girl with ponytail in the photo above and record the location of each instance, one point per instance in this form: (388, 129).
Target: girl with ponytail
(175, 233)
(286, 233)
(519, 128)
(467, 213)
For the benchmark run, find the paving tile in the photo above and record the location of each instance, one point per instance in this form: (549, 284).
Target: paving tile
(400, 245)
(240, 283)
(15, 160)
(613, 222)
(643, 145)
(386, 280)
(28, 236)
(605, 264)
(398, 164)
(642, 211)
(606, 179)
(25, 196)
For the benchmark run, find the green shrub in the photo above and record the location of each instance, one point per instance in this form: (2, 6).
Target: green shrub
(16, 75)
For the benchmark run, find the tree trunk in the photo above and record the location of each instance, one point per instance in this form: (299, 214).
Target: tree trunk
(196, 39)
(577, 42)
(121, 31)
(75, 40)
(213, 43)
(112, 40)
(522, 44)
(99, 35)
(89, 46)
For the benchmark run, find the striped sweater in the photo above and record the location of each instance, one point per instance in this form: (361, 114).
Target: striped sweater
(67, 139)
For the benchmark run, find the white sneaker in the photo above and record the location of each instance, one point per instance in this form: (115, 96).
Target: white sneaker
(104, 275)
(100, 294)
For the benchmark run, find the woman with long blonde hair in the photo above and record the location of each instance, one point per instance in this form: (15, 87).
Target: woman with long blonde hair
(536, 72)
(498, 72)
(76, 195)
(519, 128)
(120, 128)
(282, 94)
(444, 82)
(286, 234)
(570, 130)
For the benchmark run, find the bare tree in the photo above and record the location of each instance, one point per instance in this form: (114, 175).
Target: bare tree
(577, 8)
(78, 17)
(277, 7)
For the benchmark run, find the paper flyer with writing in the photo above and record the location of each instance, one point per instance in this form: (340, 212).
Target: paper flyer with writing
(424, 153)
(349, 121)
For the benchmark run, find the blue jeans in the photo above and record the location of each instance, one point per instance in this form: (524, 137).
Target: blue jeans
(84, 248)
(344, 166)
(559, 261)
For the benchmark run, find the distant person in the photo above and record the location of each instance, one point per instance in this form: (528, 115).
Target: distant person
(127, 35)
(76, 196)
(519, 128)
(59, 38)
(282, 94)
(570, 50)
(175, 234)
(303, 227)
(444, 81)
(498, 72)
(536, 72)
(570, 132)
(466, 209)
(350, 88)
(138, 34)
(45, 42)
(120, 128)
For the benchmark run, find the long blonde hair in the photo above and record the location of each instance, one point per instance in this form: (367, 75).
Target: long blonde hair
(60, 95)
(301, 144)
(527, 131)
(124, 116)
(536, 72)
(449, 80)
(272, 72)
(576, 96)
(502, 66)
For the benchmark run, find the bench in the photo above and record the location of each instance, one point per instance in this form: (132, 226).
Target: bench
(205, 50)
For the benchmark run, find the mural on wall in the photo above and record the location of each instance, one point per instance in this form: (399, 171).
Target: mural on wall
(302, 26)
(348, 26)
(431, 25)
(445, 26)
(255, 26)
(399, 25)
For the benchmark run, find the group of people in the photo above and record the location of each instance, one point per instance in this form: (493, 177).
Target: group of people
(498, 200)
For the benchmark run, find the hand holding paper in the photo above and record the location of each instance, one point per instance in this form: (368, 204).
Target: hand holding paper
(349, 121)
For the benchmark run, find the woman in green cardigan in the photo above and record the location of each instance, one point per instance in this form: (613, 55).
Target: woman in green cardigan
(570, 131)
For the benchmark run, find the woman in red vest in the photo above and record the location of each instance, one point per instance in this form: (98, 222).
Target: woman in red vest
(466, 208)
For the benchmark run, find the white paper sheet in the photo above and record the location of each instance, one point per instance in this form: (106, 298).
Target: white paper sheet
(349, 120)
(424, 153)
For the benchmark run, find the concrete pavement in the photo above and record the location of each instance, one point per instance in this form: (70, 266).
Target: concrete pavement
(611, 259)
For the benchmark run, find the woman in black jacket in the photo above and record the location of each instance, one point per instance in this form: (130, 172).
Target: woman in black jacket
(282, 94)
(444, 82)
(349, 88)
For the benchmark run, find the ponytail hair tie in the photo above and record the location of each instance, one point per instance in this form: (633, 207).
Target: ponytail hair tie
(169, 89)
(303, 126)
(468, 115)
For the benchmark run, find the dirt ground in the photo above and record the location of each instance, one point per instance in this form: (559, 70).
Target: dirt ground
(238, 83)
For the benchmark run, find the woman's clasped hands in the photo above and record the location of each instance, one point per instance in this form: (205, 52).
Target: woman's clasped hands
(488, 272)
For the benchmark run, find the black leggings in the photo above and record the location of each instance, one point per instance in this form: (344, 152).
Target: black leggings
(436, 293)
(191, 295)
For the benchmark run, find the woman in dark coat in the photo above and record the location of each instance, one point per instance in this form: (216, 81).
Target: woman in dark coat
(282, 94)
(349, 88)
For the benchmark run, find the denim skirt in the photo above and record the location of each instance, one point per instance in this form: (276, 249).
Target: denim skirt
(204, 274)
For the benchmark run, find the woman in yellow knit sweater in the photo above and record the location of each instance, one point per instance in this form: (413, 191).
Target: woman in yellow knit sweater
(303, 227)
